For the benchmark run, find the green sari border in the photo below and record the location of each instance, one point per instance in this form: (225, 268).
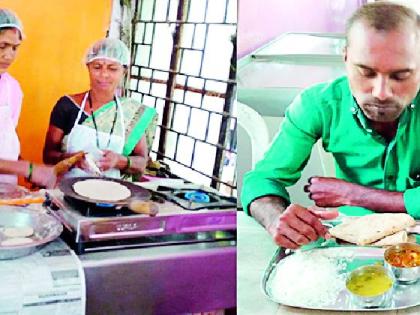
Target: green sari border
(139, 128)
(100, 110)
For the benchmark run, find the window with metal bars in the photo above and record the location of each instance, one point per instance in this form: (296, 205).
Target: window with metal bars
(184, 58)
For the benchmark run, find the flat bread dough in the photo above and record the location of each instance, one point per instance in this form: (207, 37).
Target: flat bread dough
(18, 231)
(371, 228)
(104, 190)
(17, 241)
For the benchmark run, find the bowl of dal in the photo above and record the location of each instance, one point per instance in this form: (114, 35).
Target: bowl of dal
(370, 286)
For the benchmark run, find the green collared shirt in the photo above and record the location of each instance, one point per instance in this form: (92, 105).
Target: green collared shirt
(328, 111)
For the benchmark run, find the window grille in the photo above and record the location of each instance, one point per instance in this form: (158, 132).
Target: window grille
(184, 58)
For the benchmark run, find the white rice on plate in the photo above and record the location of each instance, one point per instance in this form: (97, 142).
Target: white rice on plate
(310, 279)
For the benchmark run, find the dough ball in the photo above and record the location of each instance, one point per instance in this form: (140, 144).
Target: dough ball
(18, 231)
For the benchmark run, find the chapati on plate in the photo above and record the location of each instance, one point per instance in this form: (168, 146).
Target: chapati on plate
(368, 229)
(399, 237)
(18, 231)
(17, 241)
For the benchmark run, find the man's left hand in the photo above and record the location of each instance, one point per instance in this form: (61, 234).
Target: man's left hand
(330, 192)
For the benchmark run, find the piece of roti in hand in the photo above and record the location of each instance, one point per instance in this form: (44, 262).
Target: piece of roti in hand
(371, 228)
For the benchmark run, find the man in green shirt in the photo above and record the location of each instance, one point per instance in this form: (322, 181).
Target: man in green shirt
(370, 122)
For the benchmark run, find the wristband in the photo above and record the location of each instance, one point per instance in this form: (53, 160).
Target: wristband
(30, 171)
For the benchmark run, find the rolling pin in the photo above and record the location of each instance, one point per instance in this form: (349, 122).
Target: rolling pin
(64, 165)
(143, 207)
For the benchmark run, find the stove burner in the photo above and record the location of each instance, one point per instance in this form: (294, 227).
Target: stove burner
(196, 199)
(196, 196)
(97, 209)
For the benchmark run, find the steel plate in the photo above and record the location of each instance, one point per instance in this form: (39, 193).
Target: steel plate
(403, 296)
(46, 229)
(11, 191)
(137, 192)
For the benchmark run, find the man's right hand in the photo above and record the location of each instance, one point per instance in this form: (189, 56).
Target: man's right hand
(290, 226)
(298, 226)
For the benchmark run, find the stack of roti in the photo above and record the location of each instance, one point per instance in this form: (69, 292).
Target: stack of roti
(379, 229)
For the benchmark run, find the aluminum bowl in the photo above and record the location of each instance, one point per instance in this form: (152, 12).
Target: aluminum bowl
(370, 302)
(404, 275)
(46, 229)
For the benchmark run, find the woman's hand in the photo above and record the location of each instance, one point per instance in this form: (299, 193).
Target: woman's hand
(110, 159)
(44, 175)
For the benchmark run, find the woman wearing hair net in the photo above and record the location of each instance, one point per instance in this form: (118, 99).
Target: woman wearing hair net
(11, 35)
(115, 131)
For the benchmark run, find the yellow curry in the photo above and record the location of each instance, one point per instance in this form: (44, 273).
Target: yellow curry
(369, 281)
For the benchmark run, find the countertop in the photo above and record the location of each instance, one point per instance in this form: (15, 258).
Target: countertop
(255, 249)
(164, 279)
(175, 279)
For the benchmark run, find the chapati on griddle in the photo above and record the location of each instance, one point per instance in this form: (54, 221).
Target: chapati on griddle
(104, 190)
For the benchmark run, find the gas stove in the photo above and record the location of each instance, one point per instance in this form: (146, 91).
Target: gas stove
(195, 198)
(187, 214)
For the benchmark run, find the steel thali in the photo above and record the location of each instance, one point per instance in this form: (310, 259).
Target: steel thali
(10, 191)
(46, 229)
(347, 258)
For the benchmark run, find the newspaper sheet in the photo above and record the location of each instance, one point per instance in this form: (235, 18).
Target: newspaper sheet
(50, 281)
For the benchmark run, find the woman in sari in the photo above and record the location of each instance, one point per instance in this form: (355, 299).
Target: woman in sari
(115, 131)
